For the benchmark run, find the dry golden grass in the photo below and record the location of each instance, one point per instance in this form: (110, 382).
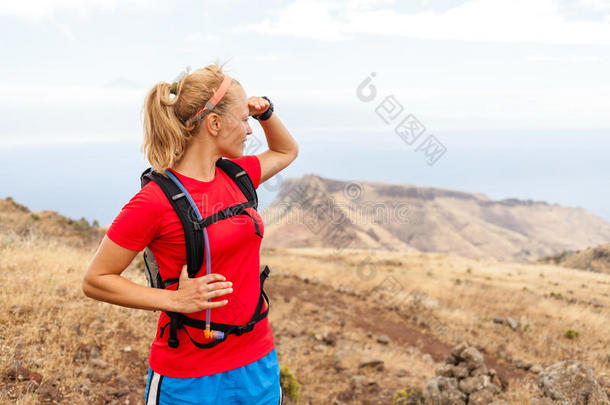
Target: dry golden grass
(50, 326)
(459, 298)
(52, 329)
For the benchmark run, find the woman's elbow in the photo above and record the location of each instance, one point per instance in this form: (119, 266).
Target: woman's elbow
(294, 153)
(88, 283)
(86, 286)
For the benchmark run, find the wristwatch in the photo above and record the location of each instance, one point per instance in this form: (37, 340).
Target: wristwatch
(264, 116)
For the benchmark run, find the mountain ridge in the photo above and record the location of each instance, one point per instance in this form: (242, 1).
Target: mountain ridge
(429, 219)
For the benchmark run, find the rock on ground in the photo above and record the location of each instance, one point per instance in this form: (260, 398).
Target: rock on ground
(571, 382)
(463, 379)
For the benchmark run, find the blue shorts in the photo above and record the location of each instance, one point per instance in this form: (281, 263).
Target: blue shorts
(256, 383)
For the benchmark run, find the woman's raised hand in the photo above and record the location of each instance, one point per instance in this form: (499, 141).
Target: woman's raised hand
(257, 105)
(193, 293)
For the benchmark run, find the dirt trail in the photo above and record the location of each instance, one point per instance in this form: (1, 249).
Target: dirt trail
(362, 315)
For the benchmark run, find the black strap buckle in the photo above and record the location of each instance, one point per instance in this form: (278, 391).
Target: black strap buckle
(176, 322)
(244, 328)
(173, 343)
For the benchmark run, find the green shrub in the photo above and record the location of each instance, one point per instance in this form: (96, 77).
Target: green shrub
(290, 385)
(408, 396)
(571, 334)
(80, 225)
(17, 205)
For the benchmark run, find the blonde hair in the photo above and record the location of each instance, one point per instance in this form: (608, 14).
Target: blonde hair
(167, 130)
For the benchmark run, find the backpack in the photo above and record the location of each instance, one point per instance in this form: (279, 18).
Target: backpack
(195, 234)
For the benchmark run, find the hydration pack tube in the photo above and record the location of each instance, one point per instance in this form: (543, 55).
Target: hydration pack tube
(195, 234)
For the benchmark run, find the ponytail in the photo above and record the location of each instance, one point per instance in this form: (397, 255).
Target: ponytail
(167, 132)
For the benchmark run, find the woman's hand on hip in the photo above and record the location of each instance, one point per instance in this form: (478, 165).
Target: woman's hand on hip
(193, 293)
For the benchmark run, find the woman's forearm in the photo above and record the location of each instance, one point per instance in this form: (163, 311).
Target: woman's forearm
(115, 289)
(278, 137)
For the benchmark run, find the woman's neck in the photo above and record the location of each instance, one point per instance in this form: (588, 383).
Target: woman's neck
(198, 162)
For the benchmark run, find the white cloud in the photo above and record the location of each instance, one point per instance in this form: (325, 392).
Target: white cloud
(66, 31)
(37, 140)
(41, 9)
(337, 110)
(537, 21)
(565, 58)
(263, 58)
(493, 108)
(198, 38)
(307, 19)
(15, 94)
(596, 5)
(38, 9)
(49, 114)
(366, 4)
(124, 83)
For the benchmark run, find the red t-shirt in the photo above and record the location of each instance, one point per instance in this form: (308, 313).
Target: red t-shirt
(148, 219)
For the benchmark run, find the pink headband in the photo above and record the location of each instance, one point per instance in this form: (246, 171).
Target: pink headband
(218, 94)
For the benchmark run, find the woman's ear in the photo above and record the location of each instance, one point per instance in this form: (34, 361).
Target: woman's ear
(213, 123)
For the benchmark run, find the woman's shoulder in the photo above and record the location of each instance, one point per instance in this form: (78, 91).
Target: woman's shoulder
(139, 220)
(150, 198)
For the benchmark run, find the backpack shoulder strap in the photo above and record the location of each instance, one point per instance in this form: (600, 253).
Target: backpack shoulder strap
(192, 233)
(240, 177)
(146, 176)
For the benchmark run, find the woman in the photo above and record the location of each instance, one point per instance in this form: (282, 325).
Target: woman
(185, 135)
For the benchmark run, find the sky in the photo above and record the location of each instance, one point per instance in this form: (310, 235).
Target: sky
(508, 98)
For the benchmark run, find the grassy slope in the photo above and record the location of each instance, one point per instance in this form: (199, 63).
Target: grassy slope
(424, 302)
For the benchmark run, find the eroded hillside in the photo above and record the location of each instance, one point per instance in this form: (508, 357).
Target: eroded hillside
(315, 211)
